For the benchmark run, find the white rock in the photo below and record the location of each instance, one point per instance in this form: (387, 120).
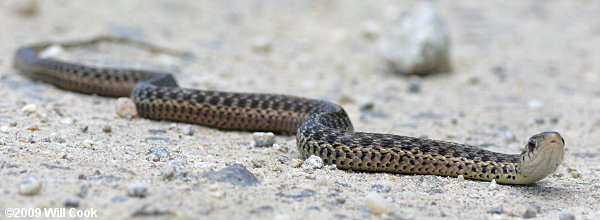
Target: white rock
(29, 108)
(30, 187)
(88, 143)
(67, 121)
(493, 185)
(378, 204)
(137, 190)
(4, 129)
(125, 108)
(535, 104)
(263, 139)
(419, 45)
(188, 130)
(313, 162)
(53, 51)
(461, 178)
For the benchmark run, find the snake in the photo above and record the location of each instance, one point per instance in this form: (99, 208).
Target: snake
(322, 128)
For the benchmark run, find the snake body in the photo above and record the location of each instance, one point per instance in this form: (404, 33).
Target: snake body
(322, 128)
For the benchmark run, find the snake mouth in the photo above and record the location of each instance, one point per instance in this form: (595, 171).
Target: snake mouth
(544, 157)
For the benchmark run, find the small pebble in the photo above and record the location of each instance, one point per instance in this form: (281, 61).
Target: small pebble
(84, 128)
(493, 185)
(258, 163)
(125, 108)
(12, 124)
(496, 210)
(29, 108)
(27, 8)
(106, 129)
(158, 153)
(82, 191)
(72, 203)
(189, 130)
(414, 85)
(382, 188)
(137, 190)
(68, 156)
(340, 200)
(263, 139)
(67, 121)
(530, 212)
(33, 127)
(4, 129)
(378, 204)
(297, 163)
(168, 173)
(58, 139)
(157, 130)
(535, 104)
(30, 186)
(461, 178)
(313, 162)
(368, 106)
(566, 216)
(88, 143)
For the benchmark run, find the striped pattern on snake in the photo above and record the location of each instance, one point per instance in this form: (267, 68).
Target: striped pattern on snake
(322, 128)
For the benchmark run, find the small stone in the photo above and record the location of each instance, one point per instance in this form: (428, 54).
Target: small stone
(496, 210)
(331, 167)
(367, 106)
(189, 130)
(297, 163)
(4, 129)
(137, 190)
(118, 198)
(84, 128)
(281, 148)
(258, 163)
(88, 143)
(12, 124)
(235, 174)
(68, 156)
(33, 127)
(493, 185)
(30, 186)
(566, 216)
(414, 85)
(58, 139)
(125, 108)
(155, 130)
(419, 45)
(381, 188)
(263, 139)
(29, 108)
(67, 121)
(158, 153)
(461, 178)
(313, 162)
(530, 212)
(378, 204)
(72, 203)
(82, 191)
(27, 8)
(575, 174)
(340, 200)
(535, 104)
(106, 129)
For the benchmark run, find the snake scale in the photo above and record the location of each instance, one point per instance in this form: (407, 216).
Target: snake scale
(322, 128)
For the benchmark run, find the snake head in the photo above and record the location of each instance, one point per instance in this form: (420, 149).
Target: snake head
(542, 155)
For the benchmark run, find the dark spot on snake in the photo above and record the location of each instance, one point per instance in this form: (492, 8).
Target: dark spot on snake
(493, 170)
(460, 167)
(412, 162)
(448, 165)
(473, 169)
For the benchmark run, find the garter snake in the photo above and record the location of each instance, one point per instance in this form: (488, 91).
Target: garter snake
(322, 128)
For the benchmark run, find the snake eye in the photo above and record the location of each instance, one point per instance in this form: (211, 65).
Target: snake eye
(531, 144)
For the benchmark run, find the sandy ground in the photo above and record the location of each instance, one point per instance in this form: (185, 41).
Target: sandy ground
(519, 68)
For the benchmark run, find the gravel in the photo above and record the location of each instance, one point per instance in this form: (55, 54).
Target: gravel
(139, 190)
